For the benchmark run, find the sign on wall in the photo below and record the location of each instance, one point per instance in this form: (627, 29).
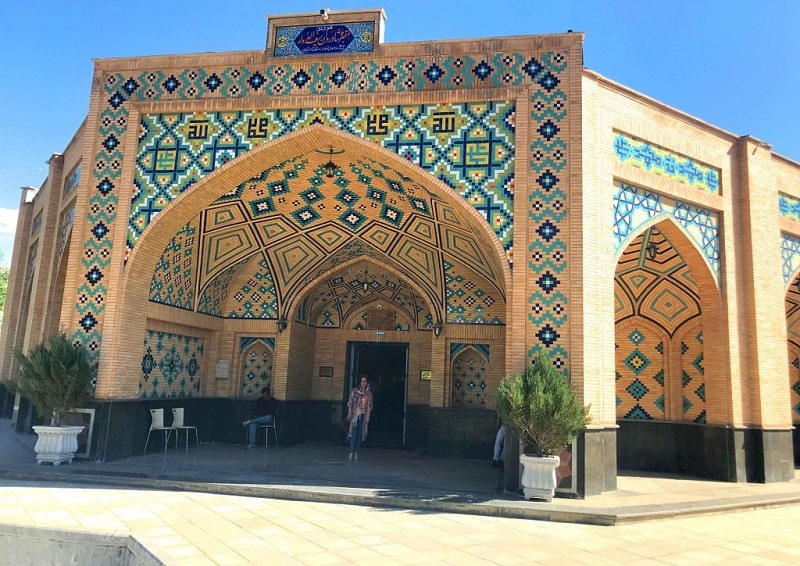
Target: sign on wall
(333, 38)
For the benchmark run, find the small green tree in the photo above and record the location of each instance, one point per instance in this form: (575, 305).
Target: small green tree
(55, 376)
(541, 408)
(3, 287)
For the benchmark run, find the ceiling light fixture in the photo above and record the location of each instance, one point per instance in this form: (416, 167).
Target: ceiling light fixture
(330, 167)
(652, 250)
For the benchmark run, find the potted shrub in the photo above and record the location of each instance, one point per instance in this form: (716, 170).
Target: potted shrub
(55, 376)
(546, 415)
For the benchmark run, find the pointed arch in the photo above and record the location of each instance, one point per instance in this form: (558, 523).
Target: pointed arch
(468, 368)
(677, 292)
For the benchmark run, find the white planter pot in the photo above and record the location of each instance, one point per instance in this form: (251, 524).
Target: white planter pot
(56, 444)
(538, 477)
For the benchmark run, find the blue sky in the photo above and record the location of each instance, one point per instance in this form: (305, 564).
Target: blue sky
(732, 63)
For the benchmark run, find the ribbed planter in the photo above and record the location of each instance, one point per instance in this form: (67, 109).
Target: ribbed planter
(539, 476)
(56, 444)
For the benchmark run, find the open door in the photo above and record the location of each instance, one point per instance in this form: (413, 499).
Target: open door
(386, 368)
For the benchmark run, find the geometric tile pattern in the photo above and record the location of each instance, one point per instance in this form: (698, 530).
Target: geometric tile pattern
(470, 146)
(665, 163)
(466, 300)
(693, 377)
(215, 292)
(311, 226)
(538, 70)
(660, 290)
(634, 207)
(790, 253)
(64, 232)
(171, 366)
(469, 366)
(255, 297)
(640, 374)
(792, 305)
(342, 301)
(794, 381)
(256, 367)
(173, 278)
(548, 189)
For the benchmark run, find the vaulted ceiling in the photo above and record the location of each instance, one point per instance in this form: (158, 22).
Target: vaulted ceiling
(653, 280)
(257, 248)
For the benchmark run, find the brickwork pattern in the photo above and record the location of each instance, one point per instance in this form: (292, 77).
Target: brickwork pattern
(538, 71)
(635, 207)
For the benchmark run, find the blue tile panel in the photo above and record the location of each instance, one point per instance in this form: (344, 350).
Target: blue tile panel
(469, 364)
(660, 161)
(548, 226)
(356, 37)
(469, 146)
(789, 207)
(635, 207)
(541, 71)
(171, 366)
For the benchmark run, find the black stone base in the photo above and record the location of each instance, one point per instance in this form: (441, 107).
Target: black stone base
(713, 452)
(121, 427)
(462, 433)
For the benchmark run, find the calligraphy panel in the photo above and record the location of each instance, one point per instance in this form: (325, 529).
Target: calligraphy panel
(333, 38)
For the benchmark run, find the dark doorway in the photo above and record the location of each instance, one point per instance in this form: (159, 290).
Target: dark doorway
(385, 366)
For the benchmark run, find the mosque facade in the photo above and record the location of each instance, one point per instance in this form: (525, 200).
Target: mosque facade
(431, 215)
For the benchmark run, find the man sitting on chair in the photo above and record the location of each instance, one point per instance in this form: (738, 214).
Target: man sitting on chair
(263, 414)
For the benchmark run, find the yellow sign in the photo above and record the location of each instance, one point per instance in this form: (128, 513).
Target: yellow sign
(425, 375)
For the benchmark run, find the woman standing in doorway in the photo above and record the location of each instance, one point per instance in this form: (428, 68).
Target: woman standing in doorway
(359, 409)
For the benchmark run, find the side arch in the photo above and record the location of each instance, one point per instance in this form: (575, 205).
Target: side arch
(677, 248)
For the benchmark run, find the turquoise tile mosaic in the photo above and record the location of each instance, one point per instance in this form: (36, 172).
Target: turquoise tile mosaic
(173, 281)
(661, 161)
(635, 207)
(547, 220)
(541, 72)
(468, 301)
(469, 364)
(789, 207)
(256, 363)
(693, 378)
(171, 366)
(469, 146)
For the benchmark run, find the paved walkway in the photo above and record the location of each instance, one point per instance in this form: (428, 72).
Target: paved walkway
(222, 504)
(390, 479)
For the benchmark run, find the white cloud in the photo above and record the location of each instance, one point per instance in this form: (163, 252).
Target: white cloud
(8, 227)
(8, 220)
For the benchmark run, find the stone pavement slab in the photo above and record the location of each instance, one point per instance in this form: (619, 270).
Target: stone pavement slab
(389, 479)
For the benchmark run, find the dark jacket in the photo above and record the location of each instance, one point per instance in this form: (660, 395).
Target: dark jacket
(266, 407)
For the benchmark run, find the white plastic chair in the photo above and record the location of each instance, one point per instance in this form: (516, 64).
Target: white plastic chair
(178, 425)
(157, 423)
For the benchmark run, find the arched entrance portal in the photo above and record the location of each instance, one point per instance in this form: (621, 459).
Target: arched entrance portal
(665, 332)
(312, 243)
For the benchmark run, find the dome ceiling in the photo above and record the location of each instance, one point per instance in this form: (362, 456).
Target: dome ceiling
(294, 224)
(653, 281)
